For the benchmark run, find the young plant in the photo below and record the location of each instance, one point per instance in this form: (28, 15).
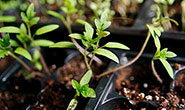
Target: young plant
(69, 9)
(155, 29)
(183, 14)
(98, 6)
(90, 42)
(163, 4)
(25, 37)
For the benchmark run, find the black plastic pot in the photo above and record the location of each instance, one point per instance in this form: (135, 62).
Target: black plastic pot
(107, 97)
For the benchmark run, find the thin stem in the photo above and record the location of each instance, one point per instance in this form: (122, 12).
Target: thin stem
(155, 73)
(22, 62)
(86, 60)
(129, 63)
(97, 44)
(45, 67)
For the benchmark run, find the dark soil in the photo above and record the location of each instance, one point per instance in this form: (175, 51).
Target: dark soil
(5, 63)
(139, 85)
(57, 95)
(19, 93)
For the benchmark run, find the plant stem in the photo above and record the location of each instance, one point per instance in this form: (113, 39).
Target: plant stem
(45, 67)
(22, 62)
(155, 73)
(86, 60)
(129, 63)
(80, 49)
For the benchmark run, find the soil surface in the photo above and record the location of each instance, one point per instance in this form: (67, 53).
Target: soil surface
(56, 95)
(143, 90)
(5, 62)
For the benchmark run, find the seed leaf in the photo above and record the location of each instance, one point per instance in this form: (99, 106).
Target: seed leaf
(63, 44)
(116, 45)
(107, 54)
(23, 52)
(46, 29)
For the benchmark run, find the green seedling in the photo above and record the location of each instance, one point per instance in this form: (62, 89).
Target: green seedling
(123, 7)
(155, 30)
(89, 41)
(6, 5)
(183, 14)
(27, 40)
(98, 6)
(163, 4)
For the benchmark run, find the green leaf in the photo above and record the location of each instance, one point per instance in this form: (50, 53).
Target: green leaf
(23, 52)
(116, 45)
(57, 15)
(150, 29)
(3, 53)
(34, 21)
(80, 21)
(76, 36)
(106, 25)
(157, 43)
(10, 29)
(86, 78)
(38, 65)
(5, 41)
(23, 28)
(75, 84)
(104, 16)
(24, 17)
(30, 11)
(7, 18)
(88, 92)
(98, 24)
(14, 43)
(43, 42)
(63, 44)
(46, 29)
(170, 54)
(72, 105)
(36, 54)
(107, 54)
(167, 67)
(89, 31)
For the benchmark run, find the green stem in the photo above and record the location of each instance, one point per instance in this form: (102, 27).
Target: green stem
(97, 45)
(22, 62)
(86, 60)
(45, 67)
(129, 63)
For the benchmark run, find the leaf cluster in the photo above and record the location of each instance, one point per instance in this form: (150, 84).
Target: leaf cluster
(4, 46)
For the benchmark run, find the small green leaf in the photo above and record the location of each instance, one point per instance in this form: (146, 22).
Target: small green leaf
(23, 52)
(75, 84)
(89, 31)
(30, 11)
(23, 28)
(103, 17)
(106, 25)
(80, 21)
(24, 17)
(38, 65)
(34, 21)
(86, 78)
(14, 43)
(6, 41)
(10, 29)
(167, 67)
(7, 18)
(157, 43)
(107, 54)
(57, 15)
(3, 53)
(36, 54)
(170, 54)
(116, 45)
(63, 44)
(88, 92)
(76, 36)
(72, 105)
(98, 24)
(43, 42)
(46, 29)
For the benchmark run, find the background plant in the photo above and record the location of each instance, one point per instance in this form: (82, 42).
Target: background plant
(27, 40)
(90, 42)
(183, 14)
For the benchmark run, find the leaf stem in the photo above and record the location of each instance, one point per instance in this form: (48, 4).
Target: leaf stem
(155, 73)
(129, 63)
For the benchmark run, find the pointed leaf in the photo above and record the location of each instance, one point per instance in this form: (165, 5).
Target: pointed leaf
(116, 45)
(55, 14)
(24, 17)
(76, 36)
(98, 24)
(75, 84)
(88, 92)
(89, 31)
(46, 29)
(23, 52)
(170, 54)
(80, 21)
(63, 44)
(86, 78)
(106, 25)
(43, 42)
(23, 28)
(167, 67)
(157, 43)
(107, 54)
(10, 29)
(30, 11)
(34, 21)
(7, 18)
